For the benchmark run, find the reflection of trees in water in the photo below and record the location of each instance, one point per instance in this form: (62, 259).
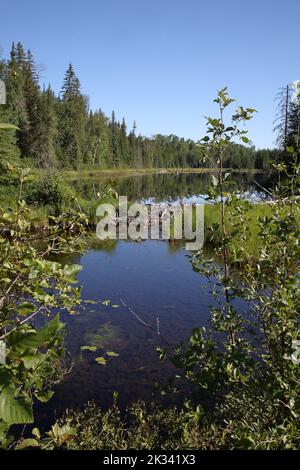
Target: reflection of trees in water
(102, 245)
(160, 186)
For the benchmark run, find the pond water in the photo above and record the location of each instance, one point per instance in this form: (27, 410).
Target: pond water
(187, 187)
(156, 280)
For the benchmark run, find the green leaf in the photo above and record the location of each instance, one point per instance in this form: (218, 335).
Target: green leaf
(26, 340)
(61, 434)
(72, 269)
(32, 360)
(7, 217)
(112, 354)
(44, 396)
(101, 360)
(25, 443)
(36, 433)
(8, 127)
(26, 308)
(5, 376)
(88, 348)
(15, 410)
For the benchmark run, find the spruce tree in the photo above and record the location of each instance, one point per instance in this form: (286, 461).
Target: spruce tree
(72, 118)
(124, 144)
(31, 92)
(115, 150)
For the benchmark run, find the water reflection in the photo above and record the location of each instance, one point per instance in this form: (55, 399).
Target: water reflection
(160, 187)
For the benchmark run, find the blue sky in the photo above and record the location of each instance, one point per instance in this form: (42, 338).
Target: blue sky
(160, 62)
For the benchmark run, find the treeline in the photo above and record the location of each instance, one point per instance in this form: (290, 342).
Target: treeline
(62, 132)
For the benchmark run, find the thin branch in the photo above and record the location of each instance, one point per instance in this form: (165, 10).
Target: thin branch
(24, 321)
(147, 325)
(264, 189)
(8, 290)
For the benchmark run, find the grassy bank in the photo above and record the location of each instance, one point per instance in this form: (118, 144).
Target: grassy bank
(255, 212)
(122, 172)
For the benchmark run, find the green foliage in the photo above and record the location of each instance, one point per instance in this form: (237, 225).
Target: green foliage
(142, 428)
(72, 117)
(244, 212)
(245, 368)
(46, 192)
(61, 131)
(30, 286)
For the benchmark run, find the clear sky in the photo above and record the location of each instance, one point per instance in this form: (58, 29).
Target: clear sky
(160, 62)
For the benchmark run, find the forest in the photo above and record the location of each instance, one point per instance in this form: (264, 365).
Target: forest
(62, 131)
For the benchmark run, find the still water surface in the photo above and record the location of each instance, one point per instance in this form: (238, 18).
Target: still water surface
(154, 278)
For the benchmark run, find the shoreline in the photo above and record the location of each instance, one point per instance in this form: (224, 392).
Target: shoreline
(119, 172)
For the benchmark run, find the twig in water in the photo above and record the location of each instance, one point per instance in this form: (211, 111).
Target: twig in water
(147, 325)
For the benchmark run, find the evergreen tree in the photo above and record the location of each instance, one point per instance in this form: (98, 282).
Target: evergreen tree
(8, 148)
(16, 107)
(46, 129)
(124, 144)
(115, 150)
(295, 116)
(72, 117)
(31, 92)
